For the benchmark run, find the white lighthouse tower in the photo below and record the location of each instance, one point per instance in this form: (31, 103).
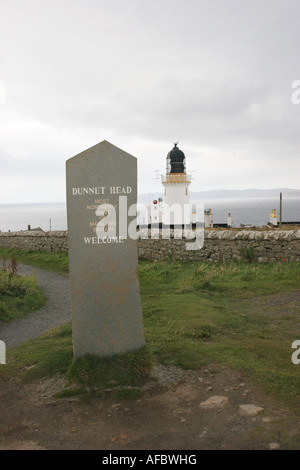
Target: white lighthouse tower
(175, 209)
(176, 181)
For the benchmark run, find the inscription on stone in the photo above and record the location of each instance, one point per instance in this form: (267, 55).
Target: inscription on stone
(106, 303)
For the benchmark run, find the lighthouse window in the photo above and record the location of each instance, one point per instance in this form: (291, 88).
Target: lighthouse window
(165, 192)
(186, 191)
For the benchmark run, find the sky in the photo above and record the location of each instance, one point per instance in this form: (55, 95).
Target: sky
(217, 76)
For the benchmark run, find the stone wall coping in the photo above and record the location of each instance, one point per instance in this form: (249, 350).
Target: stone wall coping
(236, 235)
(34, 233)
(208, 234)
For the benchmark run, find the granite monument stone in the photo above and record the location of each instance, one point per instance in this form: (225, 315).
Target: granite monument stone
(105, 295)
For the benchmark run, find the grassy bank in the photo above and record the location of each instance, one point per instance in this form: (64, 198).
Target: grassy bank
(233, 314)
(19, 295)
(243, 315)
(58, 262)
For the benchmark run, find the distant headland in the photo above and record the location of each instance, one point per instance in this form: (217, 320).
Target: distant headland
(235, 193)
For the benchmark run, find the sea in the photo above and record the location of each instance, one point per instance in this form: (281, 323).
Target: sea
(244, 211)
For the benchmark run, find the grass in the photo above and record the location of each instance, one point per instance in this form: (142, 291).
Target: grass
(58, 262)
(19, 295)
(40, 357)
(235, 314)
(225, 313)
(52, 353)
(130, 369)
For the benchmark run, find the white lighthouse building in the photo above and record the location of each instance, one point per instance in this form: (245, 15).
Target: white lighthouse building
(174, 209)
(176, 181)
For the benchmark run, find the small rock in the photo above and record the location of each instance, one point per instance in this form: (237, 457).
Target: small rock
(116, 406)
(209, 389)
(250, 410)
(51, 403)
(204, 433)
(30, 367)
(214, 401)
(267, 419)
(274, 446)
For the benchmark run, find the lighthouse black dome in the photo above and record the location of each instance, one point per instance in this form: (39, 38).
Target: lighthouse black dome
(176, 160)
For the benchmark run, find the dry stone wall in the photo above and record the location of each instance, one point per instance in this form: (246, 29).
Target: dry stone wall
(54, 241)
(265, 246)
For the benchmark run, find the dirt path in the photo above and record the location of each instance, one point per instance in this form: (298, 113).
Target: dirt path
(170, 416)
(56, 312)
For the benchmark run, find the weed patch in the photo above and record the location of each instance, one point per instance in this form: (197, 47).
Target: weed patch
(19, 295)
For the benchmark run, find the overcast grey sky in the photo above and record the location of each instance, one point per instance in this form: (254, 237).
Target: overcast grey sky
(216, 76)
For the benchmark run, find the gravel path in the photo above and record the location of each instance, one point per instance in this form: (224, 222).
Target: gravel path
(55, 312)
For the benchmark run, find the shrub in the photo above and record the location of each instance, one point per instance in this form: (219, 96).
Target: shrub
(19, 295)
(248, 253)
